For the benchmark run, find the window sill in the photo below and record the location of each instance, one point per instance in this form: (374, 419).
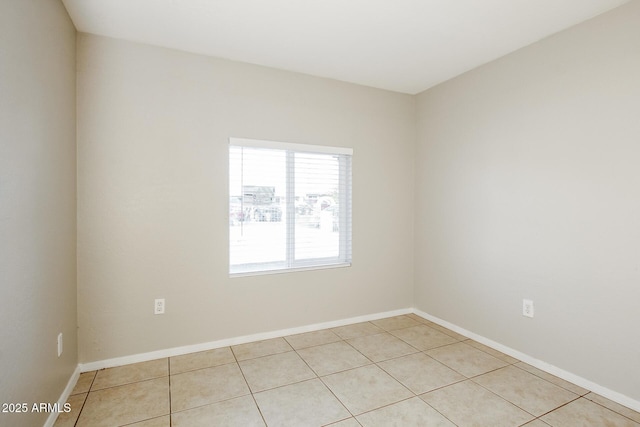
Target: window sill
(289, 270)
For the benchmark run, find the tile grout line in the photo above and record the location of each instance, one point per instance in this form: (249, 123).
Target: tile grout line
(319, 378)
(415, 395)
(508, 401)
(354, 368)
(609, 409)
(85, 399)
(550, 382)
(253, 397)
(517, 406)
(169, 371)
(555, 409)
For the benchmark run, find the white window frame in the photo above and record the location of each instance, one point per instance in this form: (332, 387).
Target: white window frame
(344, 218)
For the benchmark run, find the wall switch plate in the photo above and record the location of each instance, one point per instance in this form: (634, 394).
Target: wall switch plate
(158, 307)
(527, 308)
(60, 344)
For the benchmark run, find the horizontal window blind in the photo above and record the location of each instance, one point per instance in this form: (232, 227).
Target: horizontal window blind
(289, 206)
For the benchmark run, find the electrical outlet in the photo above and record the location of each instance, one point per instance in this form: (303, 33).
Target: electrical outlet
(158, 307)
(527, 308)
(60, 344)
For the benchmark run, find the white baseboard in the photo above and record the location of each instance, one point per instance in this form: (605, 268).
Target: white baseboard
(553, 370)
(177, 351)
(53, 416)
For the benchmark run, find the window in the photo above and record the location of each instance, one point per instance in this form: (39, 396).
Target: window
(289, 206)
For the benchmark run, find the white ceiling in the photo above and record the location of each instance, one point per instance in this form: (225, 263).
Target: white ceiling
(400, 45)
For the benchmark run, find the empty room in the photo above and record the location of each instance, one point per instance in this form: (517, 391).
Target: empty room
(320, 213)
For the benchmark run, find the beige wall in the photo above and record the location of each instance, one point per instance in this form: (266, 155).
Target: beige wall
(37, 204)
(528, 186)
(153, 129)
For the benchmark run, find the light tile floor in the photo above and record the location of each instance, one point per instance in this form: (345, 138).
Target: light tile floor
(400, 371)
